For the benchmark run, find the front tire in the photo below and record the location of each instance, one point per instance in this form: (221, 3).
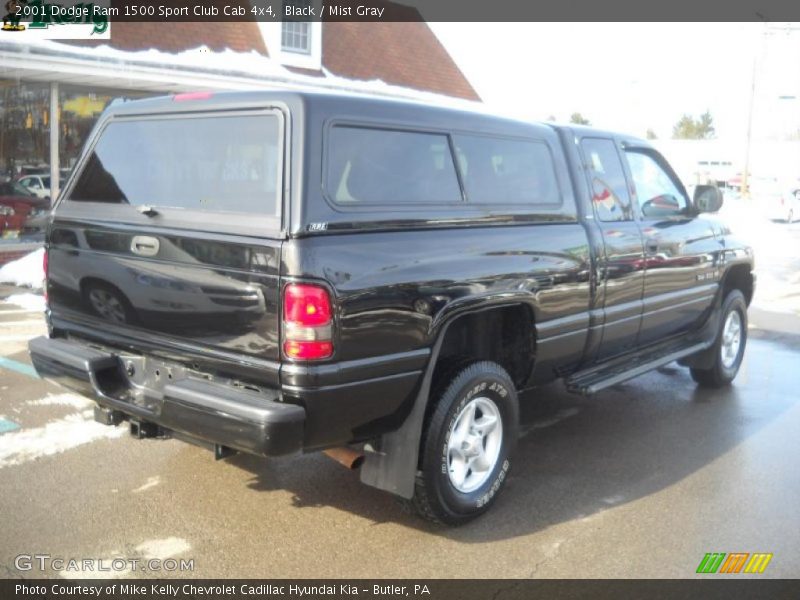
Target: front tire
(467, 444)
(729, 344)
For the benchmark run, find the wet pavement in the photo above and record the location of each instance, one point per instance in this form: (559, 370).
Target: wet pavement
(639, 481)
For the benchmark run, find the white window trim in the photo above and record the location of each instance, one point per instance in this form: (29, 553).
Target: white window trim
(271, 33)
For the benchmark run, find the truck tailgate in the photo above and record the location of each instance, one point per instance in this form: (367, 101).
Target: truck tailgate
(194, 295)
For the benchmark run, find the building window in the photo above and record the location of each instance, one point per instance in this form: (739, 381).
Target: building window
(295, 33)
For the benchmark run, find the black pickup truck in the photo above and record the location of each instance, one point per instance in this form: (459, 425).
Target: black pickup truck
(277, 272)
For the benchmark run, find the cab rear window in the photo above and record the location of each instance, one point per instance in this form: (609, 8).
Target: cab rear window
(214, 163)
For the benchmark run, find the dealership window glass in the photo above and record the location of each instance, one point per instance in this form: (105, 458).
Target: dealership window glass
(507, 171)
(656, 192)
(79, 109)
(378, 166)
(610, 196)
(24, 128)
(225, 164)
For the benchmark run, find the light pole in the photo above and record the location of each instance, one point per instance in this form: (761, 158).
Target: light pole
(767, 31)
(746, 174)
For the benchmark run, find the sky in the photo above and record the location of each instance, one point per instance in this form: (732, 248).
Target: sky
(632, 77)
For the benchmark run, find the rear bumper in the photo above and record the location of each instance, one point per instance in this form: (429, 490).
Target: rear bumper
(256, 423)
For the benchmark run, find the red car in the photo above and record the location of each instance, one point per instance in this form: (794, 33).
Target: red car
(17, 205)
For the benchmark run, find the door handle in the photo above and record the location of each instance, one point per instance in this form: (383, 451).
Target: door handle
(144, 245)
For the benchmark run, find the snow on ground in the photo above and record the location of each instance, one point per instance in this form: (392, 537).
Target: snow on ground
(160, 549)
(59, 435)
(32, 302)
(73, 400)
(25, 272)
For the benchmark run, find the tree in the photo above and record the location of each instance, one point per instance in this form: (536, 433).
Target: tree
(579, 119)
(689, 128)
(651, 135)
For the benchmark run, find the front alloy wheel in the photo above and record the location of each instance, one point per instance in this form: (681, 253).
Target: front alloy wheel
(731, 339)
(729, 344)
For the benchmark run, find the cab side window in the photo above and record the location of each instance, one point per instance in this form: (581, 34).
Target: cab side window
(390, 167)
(656, 192)
(507, 171)
(610, 196)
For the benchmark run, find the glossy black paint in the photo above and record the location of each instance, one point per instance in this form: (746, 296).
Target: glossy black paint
(210, 298)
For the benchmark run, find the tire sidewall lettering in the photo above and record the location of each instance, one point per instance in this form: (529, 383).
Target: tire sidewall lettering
(498, 393)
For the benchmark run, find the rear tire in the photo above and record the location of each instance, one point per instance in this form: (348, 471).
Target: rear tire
(728, 346)
(467, 444)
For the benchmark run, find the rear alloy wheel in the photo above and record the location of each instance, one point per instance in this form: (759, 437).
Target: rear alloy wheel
(467, 444)
(729, 344)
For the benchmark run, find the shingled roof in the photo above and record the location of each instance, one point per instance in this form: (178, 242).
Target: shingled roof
(401, 53)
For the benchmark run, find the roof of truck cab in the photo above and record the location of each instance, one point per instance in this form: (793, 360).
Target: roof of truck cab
(450, 113)
(216, 100)
(325, 101)
(588, 131)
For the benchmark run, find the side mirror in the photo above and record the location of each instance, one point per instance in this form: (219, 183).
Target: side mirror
(707, 198)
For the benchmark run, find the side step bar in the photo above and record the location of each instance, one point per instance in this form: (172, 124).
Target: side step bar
(595, 379)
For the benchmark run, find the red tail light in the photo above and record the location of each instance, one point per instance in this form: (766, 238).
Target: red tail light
(45, 265)
(307, 322)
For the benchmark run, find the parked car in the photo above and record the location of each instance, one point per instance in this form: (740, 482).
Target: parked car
(420, 267)
(785, 206)
(18, 208)
(780, 199)
(38, 184)
(162, 297)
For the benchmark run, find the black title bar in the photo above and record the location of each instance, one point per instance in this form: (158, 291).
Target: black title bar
(711, 588)
(413, 10)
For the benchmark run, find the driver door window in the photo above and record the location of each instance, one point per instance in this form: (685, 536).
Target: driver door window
(656, 192)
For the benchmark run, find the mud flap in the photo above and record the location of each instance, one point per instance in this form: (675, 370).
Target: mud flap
(390, 463)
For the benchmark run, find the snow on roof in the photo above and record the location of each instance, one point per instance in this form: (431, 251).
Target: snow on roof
(257, 70)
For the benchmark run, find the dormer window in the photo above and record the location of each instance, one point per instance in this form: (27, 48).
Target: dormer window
(295, 40)
(295, 33)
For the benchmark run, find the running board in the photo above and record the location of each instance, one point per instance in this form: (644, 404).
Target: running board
(593, 380)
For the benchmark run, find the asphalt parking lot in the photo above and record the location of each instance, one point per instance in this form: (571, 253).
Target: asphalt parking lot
(640, 481)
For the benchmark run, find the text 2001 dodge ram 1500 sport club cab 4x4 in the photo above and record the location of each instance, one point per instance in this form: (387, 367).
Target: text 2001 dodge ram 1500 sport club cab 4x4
(274, 272)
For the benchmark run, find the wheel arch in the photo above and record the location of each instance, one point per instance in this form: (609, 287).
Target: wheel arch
(392, 464)
(738, 276)
(89, 279)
